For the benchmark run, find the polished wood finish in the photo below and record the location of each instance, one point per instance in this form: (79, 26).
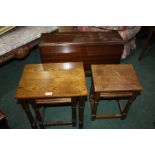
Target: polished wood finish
(118, 81)
(59, 79)
(49, 84)
(115, 78)
(87, 47)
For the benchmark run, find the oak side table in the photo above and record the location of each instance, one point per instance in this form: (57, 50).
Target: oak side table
(52, 84)
(113, 82)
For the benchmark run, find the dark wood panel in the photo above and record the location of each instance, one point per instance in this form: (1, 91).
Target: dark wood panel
(89, 48)
(82, 49)
(84, 59)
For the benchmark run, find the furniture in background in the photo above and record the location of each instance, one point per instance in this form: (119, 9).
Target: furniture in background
(147, 41)
(87, 47)
(52, 84)
(113, 82)
(18, 42)
(3, 121)
(127, 33)
(4, 29)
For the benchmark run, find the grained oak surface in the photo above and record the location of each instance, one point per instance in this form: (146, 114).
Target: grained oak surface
(118, 77)
(52, 80)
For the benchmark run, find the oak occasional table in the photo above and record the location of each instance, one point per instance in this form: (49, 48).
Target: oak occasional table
(52, 83)
(113, 82)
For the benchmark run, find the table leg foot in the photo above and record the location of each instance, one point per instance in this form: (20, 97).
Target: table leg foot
(81, 111)
(27, 110)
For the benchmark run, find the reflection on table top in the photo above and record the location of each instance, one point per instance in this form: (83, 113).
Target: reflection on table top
(118, 77)
(52, 80)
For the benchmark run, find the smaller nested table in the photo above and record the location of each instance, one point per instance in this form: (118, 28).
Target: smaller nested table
(52, 84)
(116, 82)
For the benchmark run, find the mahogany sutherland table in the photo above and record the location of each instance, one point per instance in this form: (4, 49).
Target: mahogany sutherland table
(87, 47)
(52, 84)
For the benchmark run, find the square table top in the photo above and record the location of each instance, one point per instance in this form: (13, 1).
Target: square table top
(51, 80)
(115, 77)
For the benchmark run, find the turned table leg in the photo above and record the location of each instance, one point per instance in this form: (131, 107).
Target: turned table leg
(38, 115)
(74, 113)
(81, 111)
(129, 103)
(27, 110)
(94, 104)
